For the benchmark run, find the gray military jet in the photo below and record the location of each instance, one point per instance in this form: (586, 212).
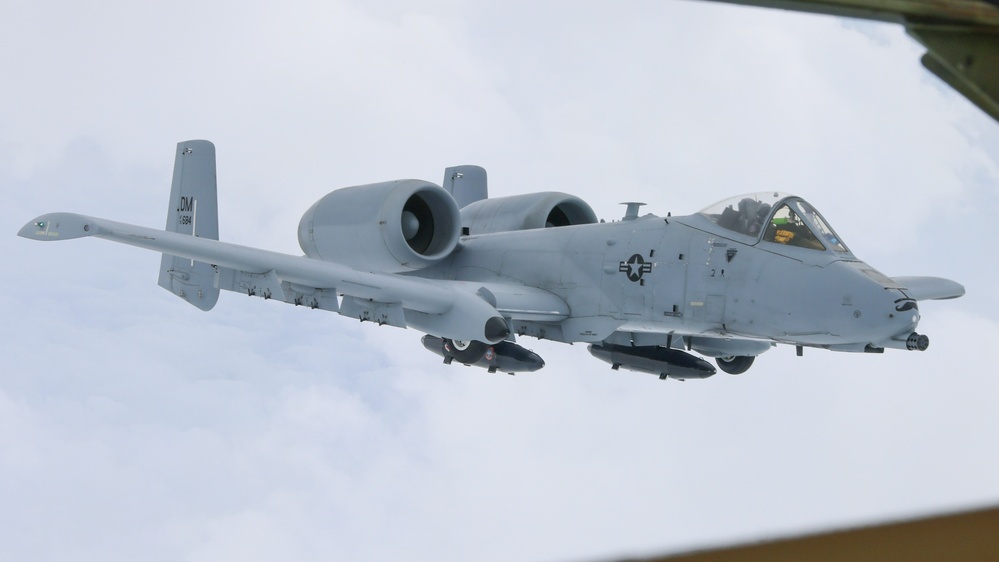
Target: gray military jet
(473, 272)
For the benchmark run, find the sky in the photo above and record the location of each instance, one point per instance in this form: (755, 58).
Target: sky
(134, 426)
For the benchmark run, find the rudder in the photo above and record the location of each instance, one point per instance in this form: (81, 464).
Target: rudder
(193, 210)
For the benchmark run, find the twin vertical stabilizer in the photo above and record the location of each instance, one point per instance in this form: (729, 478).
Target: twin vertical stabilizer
(467, 184)
(193, 210)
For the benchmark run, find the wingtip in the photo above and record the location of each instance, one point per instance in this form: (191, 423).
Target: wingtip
(57, 226)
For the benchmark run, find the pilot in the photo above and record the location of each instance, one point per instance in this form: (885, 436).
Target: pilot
(747, 210)
(752, 213)
(761, 215)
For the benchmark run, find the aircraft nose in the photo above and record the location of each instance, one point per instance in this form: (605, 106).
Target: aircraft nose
(881, 312)
(899, 332)
(904, 315)
(896, 317)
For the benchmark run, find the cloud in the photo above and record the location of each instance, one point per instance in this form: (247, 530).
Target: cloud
(133, 426)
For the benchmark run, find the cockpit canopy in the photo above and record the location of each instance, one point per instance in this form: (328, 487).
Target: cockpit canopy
(775, 217)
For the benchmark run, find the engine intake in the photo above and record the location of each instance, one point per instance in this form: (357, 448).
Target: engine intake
(391, 226)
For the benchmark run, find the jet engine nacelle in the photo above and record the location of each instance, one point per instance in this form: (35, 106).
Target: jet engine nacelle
(392, 226)
(524, 212)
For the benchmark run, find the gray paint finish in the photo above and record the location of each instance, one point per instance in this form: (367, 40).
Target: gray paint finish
(729, 282)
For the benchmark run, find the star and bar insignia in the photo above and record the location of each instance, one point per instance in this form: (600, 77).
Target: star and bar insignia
(635, 267)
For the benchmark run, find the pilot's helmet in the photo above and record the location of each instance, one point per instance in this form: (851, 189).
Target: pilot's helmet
(763, 211)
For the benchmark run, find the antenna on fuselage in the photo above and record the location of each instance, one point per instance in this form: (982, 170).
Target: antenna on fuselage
(631, 212)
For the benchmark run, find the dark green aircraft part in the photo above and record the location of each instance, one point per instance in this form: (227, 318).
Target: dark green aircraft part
(961, 37)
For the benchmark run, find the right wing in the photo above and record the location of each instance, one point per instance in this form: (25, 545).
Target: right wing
(449, 309)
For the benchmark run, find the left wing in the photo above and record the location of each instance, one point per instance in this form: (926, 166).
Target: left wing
(449, 309)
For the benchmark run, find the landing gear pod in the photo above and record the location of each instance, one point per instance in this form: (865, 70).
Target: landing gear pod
(735, 364)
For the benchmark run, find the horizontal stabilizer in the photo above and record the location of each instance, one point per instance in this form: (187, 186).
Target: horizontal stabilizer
(930, 288)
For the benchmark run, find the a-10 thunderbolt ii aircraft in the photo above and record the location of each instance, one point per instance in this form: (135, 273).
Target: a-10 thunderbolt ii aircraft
(474, 272)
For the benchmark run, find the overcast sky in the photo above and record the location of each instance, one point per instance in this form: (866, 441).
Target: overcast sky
(136, 427)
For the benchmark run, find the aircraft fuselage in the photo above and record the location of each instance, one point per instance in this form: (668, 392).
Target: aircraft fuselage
(651, 276)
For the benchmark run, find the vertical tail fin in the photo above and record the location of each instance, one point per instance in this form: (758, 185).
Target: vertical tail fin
(193, 210)
(467, 184)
